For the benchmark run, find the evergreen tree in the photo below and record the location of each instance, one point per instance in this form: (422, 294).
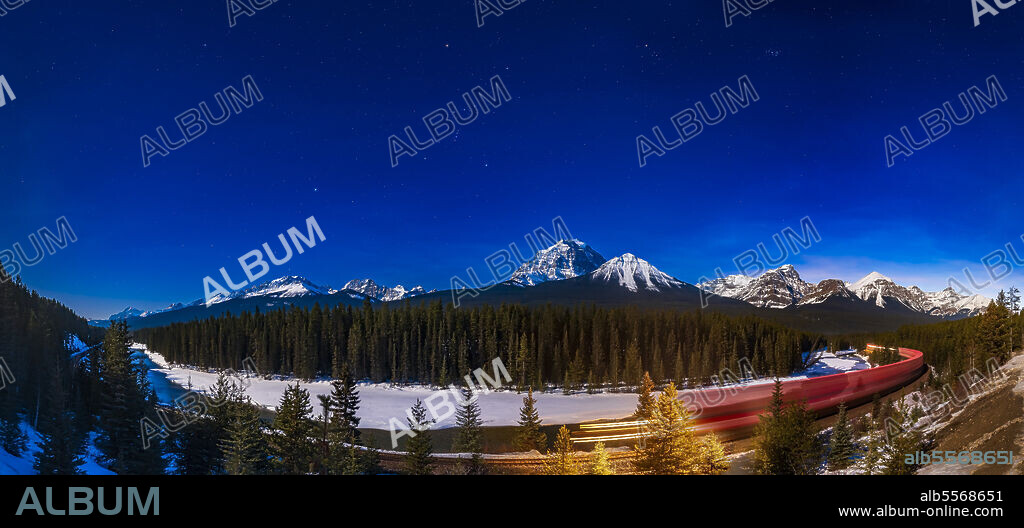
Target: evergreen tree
(657, 365)
(669, 447)
(62, 447)
(419, 449)
(599, 463)
(14, 336)
(196, 448)
(126, 400)
(874, 454)
(786, 438)
(244, 447)
(633, 363)
(876, 408)
(224, 394)
(293, 427)
(646, 401)
(12, 438)
(841, 446)
(326, 451)
(528, 435)
(562, 459)
(994, 334)
(679, 366)
(711, 458)
(222, 402)
(347, 456)
(576, 370)
(468, 439)
(902, 439)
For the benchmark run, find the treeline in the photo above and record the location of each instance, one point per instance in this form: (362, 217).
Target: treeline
(70, 394)
(438, 344)
(788, 440)
(39, 383)
(953, 348)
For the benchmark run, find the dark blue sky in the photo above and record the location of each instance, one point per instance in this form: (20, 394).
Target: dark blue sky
(339, 77)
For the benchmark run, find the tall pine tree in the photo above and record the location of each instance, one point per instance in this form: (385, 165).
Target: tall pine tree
(468, 438)
(528, 435)
(290, 440)
(419, 449)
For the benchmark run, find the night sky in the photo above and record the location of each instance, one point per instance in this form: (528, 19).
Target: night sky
(338, 78)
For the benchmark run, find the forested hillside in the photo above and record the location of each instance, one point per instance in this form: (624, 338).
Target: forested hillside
(955, 347)
(438, 344)
(39, 384)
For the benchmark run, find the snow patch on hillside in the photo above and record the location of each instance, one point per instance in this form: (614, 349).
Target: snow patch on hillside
(22, 465)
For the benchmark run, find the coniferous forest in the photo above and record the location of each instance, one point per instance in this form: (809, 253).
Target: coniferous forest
(41, 384)
(69, 395)
(439, 344)
(100, 394)
(952, 348)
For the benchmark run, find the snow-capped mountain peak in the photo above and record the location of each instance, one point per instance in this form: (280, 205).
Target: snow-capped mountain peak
(564, 260)
(292, 286)
(169, 308)
(125, 314)
(783, 287)
(371, 289)
(775, 288)
(281, 288)
(634, 273)
(826, 289)
(868, 280)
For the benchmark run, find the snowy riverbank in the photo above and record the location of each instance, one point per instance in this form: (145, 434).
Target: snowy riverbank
(379, 402)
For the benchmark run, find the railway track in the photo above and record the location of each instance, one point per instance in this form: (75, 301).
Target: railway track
(730, 412)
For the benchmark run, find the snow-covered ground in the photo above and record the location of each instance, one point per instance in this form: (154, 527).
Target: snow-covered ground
(12, 465)
(22, 465)
(830, 363)
(380, 402)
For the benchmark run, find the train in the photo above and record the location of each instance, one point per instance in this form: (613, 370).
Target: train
(732, 411)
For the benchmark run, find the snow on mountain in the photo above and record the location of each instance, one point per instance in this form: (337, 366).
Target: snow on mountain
(732, 286)
(564, 260)
(632, 273)
(881, 290)
(826, 289)
(125, 314)
(776, 288)
(869, 280)
(281, 288)
(877, 288)
(949, 303)
(371, 289)
(782, 287)
(175, 306)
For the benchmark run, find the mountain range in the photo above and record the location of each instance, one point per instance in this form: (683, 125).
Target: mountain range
(570, 272)
(280, 292)
(782, 287)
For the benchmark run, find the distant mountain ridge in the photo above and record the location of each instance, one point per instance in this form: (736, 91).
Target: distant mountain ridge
(383, 293)
(570, 272)
(281, 291)
(783, 287)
